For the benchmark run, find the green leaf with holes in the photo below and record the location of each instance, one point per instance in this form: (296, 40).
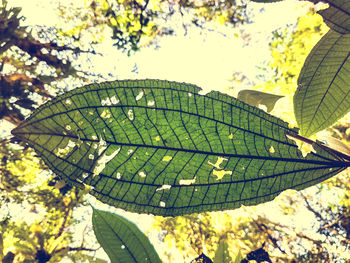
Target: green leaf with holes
(323, 94)
(159, 147)
(121, 239)
(337, 15)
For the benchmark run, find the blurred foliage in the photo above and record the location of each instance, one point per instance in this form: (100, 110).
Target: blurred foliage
(135, 24)
(36, 216)
(289, 49)
(31, 59)
(202, 233)
(40, 232)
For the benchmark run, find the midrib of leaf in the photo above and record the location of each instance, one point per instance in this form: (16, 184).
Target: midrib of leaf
(334, 163)
(341, 166)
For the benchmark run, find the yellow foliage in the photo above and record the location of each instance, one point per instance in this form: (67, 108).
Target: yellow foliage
(288, 52)
(36, 228)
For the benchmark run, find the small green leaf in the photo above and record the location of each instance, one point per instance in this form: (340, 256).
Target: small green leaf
(323, 94)
(256, 98)
(159, 147)
(337, 15)
(222, 254)
(121, 239)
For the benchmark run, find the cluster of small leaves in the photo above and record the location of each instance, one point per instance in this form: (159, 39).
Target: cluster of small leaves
(136, 24)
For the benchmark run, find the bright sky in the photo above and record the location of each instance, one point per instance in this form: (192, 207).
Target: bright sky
(208, 59)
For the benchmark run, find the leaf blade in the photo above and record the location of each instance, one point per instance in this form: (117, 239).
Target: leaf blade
(121, 239)
(177, 153)
(322, 96)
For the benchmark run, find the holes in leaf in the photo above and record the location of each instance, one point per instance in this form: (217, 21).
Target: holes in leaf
(219, 161)
(167, 158)
(114, 100)
(164, 187)
(150, 103)
(131, 114)
(103, 160)
(63, 152)
(221, 174)
(106, 102)
(71, 144)
(102, 145)
(187, 181)
(142, 174)
(68, 102)
(139, 96)
(106, 114)
(161, 204)
(272, 149)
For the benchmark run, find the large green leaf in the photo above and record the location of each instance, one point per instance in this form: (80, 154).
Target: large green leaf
(323, 90)
(121, 239)
(159, 147)
(337, 15)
